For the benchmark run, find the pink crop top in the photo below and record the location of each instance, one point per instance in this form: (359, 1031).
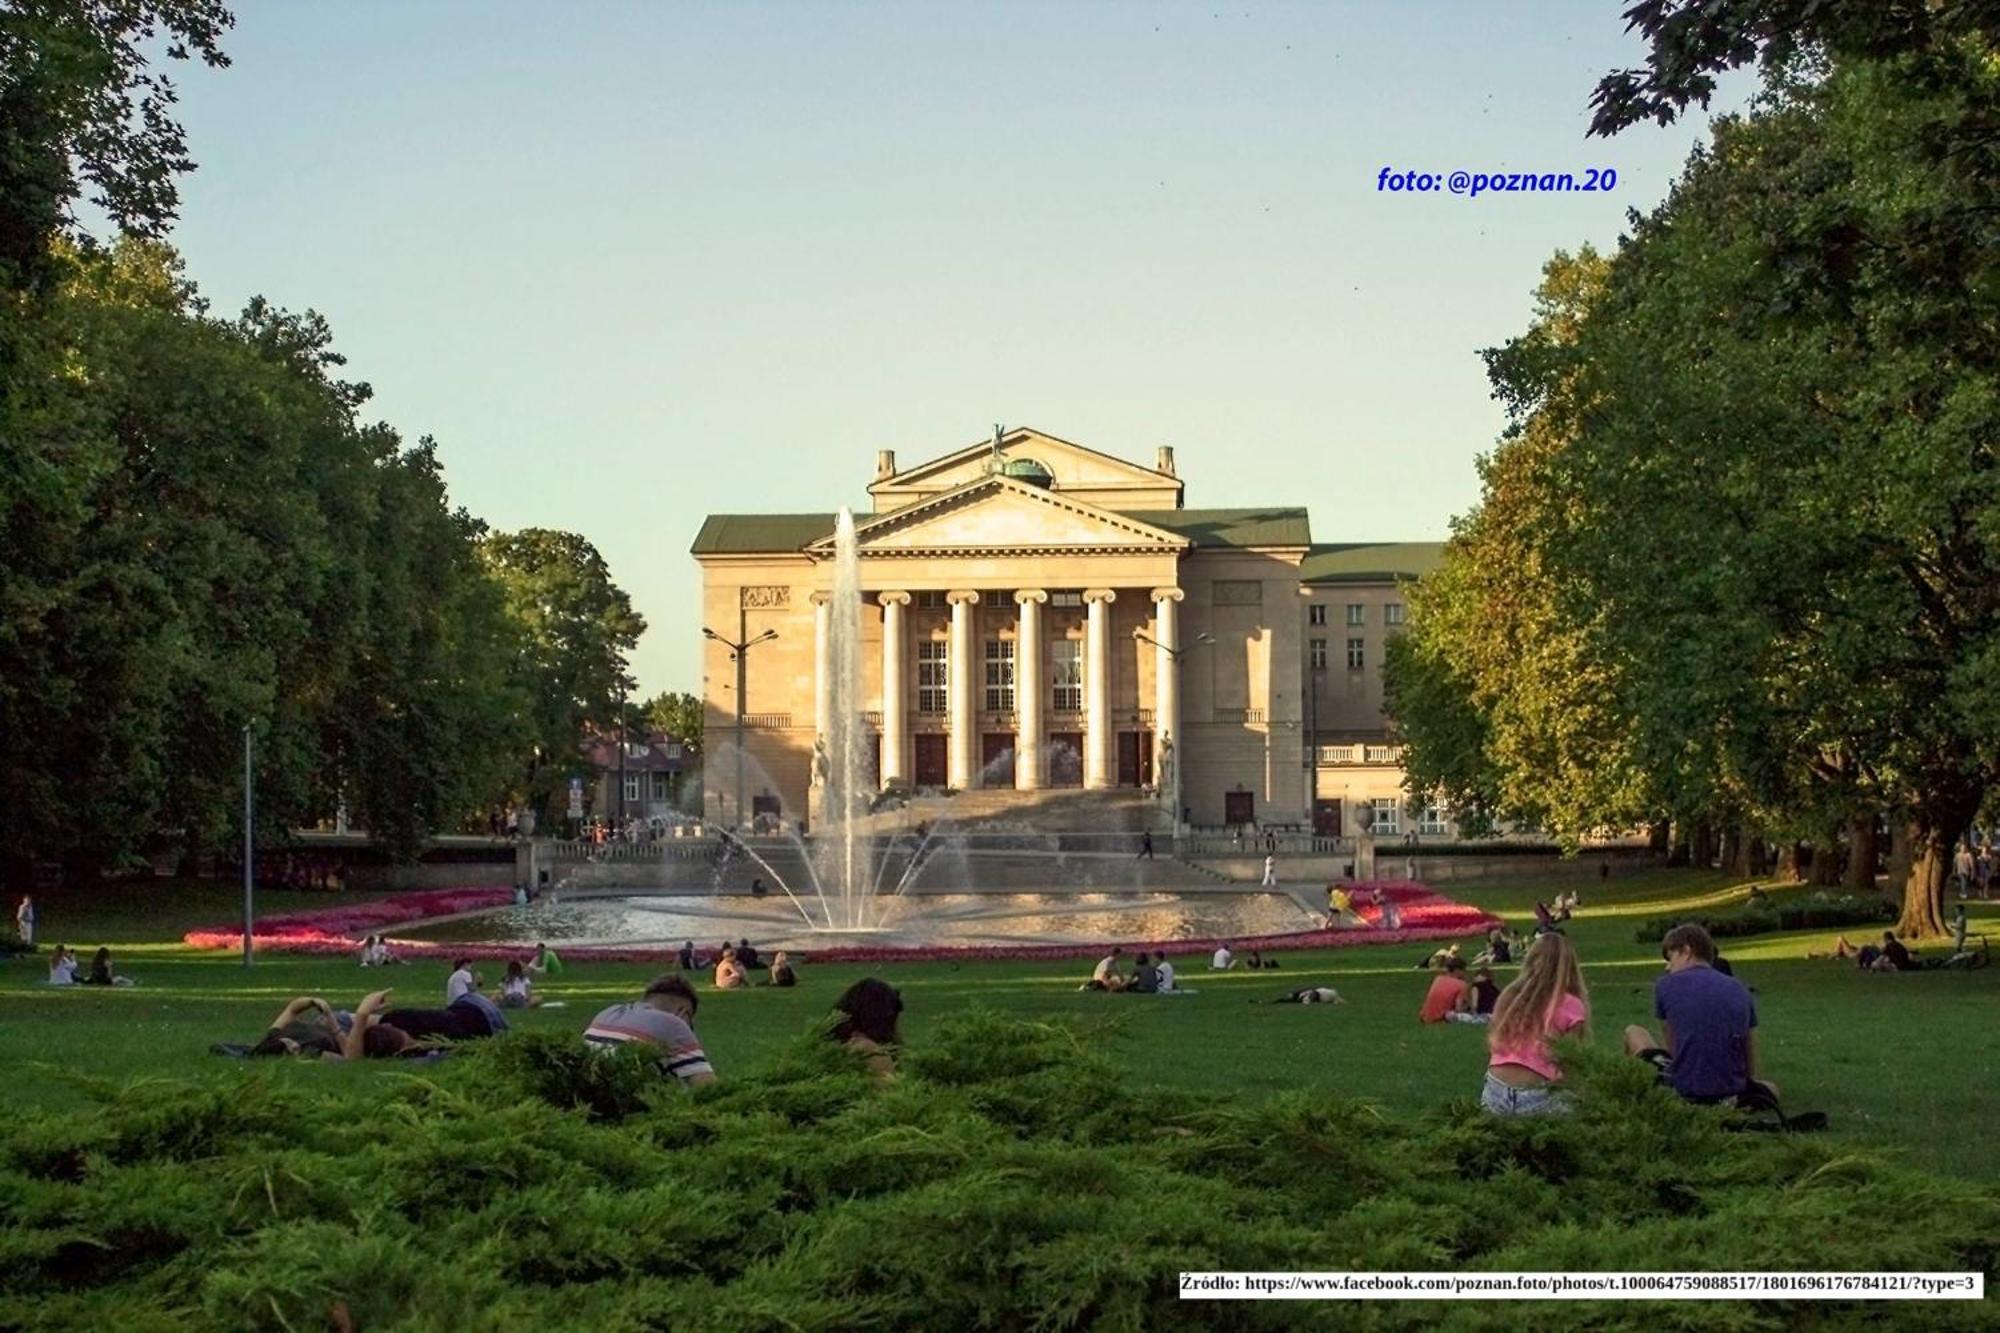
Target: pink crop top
(1534, 1054)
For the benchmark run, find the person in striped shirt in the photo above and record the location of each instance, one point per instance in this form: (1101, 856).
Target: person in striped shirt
(661, 1020)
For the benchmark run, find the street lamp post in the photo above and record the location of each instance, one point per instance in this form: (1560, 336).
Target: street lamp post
(1175, 655)
(249, 847)
(739, 649)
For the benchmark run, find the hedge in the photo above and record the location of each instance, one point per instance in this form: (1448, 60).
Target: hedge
(1815, 911)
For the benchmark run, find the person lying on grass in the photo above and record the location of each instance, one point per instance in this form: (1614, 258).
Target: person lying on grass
(1441, 959)
(1307, 995)
(867, 1024)
(309, 1026)
(1707, 1051)
(1443, 996)
(1547, 1000)
(661, 1021)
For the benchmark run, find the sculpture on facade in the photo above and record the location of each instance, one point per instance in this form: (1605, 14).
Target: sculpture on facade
(821, 765)
(1165, 766)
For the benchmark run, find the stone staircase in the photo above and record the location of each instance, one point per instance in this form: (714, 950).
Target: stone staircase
(1005, 811)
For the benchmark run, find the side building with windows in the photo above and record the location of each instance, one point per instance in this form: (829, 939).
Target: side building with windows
(1040, 616)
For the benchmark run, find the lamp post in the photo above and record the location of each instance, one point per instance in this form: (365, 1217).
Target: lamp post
(249, 847)
(622, 748)
(1175, 655)
(739, 649)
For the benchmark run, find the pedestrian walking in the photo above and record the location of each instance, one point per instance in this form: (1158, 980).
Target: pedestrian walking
(1270, 871)
(24, 920)
(1145, 845)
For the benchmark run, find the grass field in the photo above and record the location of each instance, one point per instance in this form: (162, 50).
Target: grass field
(1910, 1063)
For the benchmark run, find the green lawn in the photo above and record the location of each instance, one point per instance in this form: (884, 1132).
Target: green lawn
(1907, 1062)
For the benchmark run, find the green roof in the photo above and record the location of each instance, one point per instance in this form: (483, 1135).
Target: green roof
(1370, 562)
(755, 534)
(1232, 527)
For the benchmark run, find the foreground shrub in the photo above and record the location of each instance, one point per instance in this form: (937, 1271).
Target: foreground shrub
(1815, 911)
(1009, 1179)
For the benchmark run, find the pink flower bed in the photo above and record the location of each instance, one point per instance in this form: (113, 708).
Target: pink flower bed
(1427, 915)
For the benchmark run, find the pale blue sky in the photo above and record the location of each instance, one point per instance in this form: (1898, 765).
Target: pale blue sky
(635, 263)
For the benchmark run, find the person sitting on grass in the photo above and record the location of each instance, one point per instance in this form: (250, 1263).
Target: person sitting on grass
(868, 1014)
(729, 974)
(781, 970)
(545, 963)
(687, 960)
(1707, 1051)
(1477, 1003)
(1443, 996)
(517, 991)
(1166, 971)
(661, 1021)
(1499, 949)
(1106, 976)
(462, 981)
(1894, 956)
(1145, 977)
(102, 973)
(62, 967)
(746, 955)
(1547, 1000)
(1222, 960)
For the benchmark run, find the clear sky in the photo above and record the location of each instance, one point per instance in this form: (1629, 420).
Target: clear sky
(631, 264)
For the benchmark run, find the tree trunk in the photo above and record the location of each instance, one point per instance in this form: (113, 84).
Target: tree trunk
(1730, 852)
(1658, 836)
(1934, 836)
(1788, 864)
(1825, 865)
(1750, 857)
(1902, 838)
(1704, 844)
(1863, 849)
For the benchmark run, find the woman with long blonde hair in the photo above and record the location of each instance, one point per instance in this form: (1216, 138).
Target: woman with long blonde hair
(1546, 1001)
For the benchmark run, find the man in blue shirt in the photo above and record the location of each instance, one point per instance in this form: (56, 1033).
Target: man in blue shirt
(1707, 1051)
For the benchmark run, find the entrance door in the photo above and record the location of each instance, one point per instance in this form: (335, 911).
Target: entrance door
(933, 766)
(1326, 819)
(1135, 758)
(1239, 807)
(1065, 759)
(996, 759)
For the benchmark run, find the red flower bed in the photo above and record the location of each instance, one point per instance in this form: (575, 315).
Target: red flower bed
(340, 930)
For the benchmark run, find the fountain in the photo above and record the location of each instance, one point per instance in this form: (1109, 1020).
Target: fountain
(848, 786)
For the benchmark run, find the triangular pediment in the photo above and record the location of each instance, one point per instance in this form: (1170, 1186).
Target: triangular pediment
(1072, 464)
(1001, 514)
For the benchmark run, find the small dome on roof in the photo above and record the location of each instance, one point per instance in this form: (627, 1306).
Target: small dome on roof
(1029, 471)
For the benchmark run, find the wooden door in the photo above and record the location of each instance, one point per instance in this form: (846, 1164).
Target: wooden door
(1239, 807)
(1065, 758)
(1128, 758)
(1326, 818)
(933, 768)
(996, 759)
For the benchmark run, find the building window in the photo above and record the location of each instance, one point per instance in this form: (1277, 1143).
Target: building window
(1357, 654)
(1318, 658)
(1357, 613)
(999, 675)
(1431, 819)
(998, 599)
(1388, 816)
(659, 786)
(1392, 613)
(1316, 614)
(1067, 597)
(931, 683)
(1066, 674)
(931, 599)
(632, 786)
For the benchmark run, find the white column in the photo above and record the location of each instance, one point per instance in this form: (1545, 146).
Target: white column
(959, 701)
(822, 668)
(895, 692)
(1167, 688)
(1030, 694)
(1100, 765)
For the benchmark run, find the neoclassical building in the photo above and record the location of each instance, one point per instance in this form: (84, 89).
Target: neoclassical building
(1038, 616)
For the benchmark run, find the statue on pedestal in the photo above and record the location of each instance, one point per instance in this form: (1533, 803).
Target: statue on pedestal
(821, 765)
(1165, 765)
